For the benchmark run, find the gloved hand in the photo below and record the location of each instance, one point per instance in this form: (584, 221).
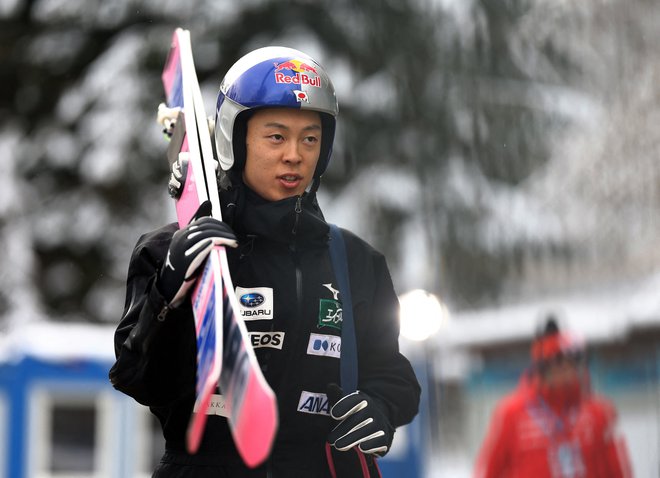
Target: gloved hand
(188, 250)
(361, 422)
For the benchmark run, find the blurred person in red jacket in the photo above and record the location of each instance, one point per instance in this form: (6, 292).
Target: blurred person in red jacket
(552, 425)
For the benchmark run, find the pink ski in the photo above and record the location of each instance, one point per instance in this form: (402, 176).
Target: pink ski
(224, 354)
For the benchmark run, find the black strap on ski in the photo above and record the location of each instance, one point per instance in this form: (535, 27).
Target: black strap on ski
(348, 362)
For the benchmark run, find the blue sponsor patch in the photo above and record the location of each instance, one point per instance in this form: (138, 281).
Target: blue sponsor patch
(252, 299)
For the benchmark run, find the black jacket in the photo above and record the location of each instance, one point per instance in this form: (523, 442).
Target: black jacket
(283, 251)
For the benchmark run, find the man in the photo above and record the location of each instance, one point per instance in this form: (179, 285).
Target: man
(275, 124)
(551, 426)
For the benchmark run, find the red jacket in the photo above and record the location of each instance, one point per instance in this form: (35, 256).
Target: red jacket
(528, 439)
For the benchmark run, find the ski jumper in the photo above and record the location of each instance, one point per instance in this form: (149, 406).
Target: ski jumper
(284, 278)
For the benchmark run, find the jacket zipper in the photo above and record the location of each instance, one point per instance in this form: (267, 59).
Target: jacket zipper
(294, 250)
(298, 210)
(294, 253)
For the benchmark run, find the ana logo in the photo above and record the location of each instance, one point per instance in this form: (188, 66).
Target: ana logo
(314, 403)
(324, 345)
(330, 314)
(271, 340)
(252, 299)
(256, 303)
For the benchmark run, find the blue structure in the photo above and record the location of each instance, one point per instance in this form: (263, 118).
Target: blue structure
(405, 460)
(59, 416)
(19, 382)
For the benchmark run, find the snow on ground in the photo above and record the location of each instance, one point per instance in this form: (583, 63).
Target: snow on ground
(58, 342)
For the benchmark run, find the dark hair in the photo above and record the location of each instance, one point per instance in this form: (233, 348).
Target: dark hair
(551, 327)
(545, 351)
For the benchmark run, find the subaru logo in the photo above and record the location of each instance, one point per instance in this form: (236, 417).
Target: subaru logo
(252, 299)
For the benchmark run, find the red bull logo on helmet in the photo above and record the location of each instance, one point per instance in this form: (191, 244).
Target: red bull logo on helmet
(303, 73)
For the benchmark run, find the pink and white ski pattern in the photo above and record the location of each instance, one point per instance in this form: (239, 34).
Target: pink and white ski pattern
(223, 347)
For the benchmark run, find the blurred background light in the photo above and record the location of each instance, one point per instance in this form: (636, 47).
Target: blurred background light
(422, 314)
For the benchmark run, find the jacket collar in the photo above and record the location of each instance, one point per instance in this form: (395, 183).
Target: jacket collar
(296, 220)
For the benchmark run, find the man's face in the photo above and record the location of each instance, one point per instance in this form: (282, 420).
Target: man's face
(563, 372)
(283, 147)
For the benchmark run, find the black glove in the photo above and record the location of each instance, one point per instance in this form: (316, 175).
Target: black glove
(362, 423)
(188, 250)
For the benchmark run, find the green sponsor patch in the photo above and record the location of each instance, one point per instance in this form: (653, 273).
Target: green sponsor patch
(330, 314)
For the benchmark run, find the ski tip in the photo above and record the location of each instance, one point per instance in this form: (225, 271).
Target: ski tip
(255, 434)
(192, 441)
(256, 456)
(195, 431)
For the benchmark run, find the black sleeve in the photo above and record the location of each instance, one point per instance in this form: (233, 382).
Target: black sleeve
(383, 372)
(154, 346)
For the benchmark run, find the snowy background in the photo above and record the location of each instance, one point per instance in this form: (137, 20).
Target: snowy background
(495, 151)
(502, 154)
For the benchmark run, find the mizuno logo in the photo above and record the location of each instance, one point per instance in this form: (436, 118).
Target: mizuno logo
(168, 262)
(335, 292)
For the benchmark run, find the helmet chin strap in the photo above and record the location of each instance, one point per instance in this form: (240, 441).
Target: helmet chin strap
(316, 182)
